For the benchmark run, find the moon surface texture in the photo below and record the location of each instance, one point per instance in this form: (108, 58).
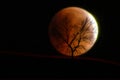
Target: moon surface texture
(73, 31)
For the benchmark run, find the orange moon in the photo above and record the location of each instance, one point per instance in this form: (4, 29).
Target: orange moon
(73, 31)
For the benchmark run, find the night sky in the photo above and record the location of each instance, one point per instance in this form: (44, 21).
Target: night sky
(24, 29)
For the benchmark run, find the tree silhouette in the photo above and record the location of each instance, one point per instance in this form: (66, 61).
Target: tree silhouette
(74, 34)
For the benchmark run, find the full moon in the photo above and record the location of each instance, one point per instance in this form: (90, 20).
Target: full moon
(73, 31)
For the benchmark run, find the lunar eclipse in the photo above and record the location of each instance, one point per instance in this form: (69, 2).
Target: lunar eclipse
(60, 39)
(73, 31)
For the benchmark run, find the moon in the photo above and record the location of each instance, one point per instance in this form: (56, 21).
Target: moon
(73, 31)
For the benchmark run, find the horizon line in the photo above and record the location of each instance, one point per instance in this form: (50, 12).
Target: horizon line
(30, 54)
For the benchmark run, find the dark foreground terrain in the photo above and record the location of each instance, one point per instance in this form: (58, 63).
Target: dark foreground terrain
(33, 67)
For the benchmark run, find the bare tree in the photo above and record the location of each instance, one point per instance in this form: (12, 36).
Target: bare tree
(82, 32)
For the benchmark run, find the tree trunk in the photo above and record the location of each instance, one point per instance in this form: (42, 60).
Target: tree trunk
(72, 55)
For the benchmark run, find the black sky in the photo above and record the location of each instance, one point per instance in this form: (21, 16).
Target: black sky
(24, 27)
